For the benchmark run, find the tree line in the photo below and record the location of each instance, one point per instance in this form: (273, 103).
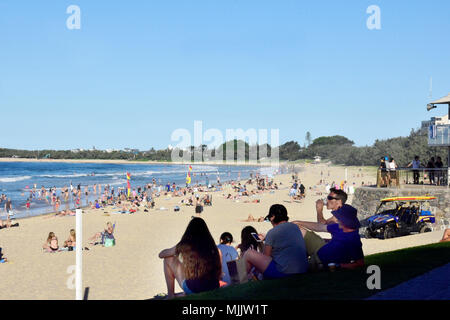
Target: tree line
(337, 149)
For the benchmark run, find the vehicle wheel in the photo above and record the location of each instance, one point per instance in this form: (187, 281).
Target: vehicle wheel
(425, 228)
(389, 232)
(368, 234)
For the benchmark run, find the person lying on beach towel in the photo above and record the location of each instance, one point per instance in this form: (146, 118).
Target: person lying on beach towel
(253, 219)
(6, 222)
(252, 201)
(66, 213)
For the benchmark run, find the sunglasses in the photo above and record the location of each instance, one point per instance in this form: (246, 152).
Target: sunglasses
(332, 198)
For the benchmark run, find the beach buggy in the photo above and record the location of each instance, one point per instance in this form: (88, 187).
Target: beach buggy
(400, 216)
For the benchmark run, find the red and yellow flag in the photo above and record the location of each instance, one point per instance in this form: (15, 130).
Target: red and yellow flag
(128, 184)
(188, 176)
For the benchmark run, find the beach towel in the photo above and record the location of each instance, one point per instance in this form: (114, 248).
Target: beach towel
(121, 212)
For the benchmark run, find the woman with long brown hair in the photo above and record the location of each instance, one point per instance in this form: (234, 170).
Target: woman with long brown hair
(248, 241)
(195, 262)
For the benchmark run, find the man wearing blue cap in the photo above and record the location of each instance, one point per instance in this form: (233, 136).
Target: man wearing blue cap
(345, 245)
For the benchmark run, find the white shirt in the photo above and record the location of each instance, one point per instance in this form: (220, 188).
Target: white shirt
(391, 166)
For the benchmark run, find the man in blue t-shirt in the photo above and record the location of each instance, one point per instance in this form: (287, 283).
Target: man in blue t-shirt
(345, 245)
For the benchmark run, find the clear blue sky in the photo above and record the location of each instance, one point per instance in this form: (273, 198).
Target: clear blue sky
(138, 70)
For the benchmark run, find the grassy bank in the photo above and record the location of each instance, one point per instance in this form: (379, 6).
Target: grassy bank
(396, 267)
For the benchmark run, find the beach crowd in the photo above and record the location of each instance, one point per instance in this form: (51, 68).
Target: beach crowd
(197, 263)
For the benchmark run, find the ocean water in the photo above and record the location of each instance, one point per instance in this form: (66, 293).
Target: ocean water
(17, 179)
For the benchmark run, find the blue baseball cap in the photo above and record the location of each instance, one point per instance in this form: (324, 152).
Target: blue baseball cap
(347, 215)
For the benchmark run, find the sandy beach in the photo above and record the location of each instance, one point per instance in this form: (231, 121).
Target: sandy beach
(132, 269)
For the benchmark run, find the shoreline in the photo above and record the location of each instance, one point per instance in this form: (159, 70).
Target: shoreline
(117, 161)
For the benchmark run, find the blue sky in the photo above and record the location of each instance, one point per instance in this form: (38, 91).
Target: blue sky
(138, 70)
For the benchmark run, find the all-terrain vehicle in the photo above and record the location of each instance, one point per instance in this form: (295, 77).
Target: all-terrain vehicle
(400, 216)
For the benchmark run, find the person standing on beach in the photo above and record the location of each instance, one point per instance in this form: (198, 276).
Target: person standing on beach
(415, 164)
(86, 193)
(431, 165)
(8, 207)
(383, 169)
(5, 218)
(302, 190)
(439, 175)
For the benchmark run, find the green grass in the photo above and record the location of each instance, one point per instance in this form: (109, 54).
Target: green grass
(396, 267)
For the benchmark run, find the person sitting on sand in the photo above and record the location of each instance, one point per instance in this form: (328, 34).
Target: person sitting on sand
(46, 245)
(96, 205)
(284, 249)
(194, 262)
(71, 241)
(446, 236)
(106, 237)
(52, 242)
(345, 245)
(252, 219)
